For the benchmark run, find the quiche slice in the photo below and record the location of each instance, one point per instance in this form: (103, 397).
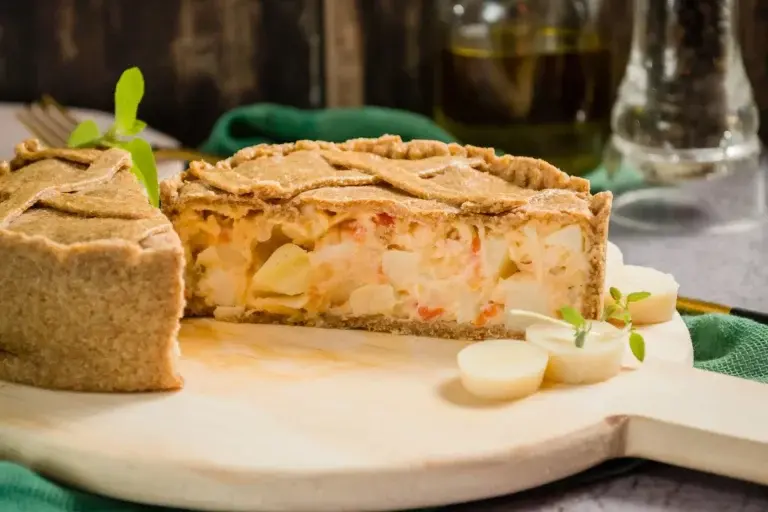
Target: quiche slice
(413, 237)
(91, 274)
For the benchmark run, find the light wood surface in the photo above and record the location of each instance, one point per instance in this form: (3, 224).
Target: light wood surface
(282, 418)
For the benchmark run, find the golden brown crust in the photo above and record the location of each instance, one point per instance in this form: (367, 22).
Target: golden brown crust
(91, 273)
(466, 178)
(600, 207)
(432, 329)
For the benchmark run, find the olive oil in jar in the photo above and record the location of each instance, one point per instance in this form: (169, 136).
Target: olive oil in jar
(552, 103)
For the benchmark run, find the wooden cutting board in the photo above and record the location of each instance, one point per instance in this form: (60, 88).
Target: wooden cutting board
(287, 418)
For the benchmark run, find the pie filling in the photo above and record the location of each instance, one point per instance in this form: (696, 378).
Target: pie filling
(358, 264)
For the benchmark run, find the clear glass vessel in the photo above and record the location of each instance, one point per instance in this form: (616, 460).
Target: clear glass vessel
(685, 121)
(529, 77)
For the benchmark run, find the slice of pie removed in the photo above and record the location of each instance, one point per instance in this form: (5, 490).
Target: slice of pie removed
(91, 275)
(420, 237)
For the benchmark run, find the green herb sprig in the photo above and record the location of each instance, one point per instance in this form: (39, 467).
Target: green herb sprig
(620, 311)
(617, 311)
(123, 133)
(580, 326)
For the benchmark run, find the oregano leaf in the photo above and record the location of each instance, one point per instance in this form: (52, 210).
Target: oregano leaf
(128, 93)
(144, 159)
(615, 293)
(137, 172)
(637, 345)
(572, 316)
(85, 133)
(609, 311)
(637, 296)
(137, 128)
(580, 337)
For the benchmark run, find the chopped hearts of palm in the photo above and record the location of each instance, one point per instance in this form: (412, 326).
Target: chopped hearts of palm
(568, 351)
(618, 311)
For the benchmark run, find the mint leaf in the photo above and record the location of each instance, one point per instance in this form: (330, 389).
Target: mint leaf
(572, 316)
(637, 296)
(84, 134)
(137, 128)
(137, 172)
(609, 311)
(637, 345)
(128, 93)
(144, 164)
(615, 293)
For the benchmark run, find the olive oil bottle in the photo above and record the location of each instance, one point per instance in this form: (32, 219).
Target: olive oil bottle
(537, 84)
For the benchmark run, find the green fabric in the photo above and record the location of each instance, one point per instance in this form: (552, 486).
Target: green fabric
(730, 345)
(721, 343)
(274, 124)
(22, 490)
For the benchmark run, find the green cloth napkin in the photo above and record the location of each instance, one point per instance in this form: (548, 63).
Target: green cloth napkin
(266, 123)
(721, 343)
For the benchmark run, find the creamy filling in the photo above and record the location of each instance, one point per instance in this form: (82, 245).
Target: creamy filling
(362, 264)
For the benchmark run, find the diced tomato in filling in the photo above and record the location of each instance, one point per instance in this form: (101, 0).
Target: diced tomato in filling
(488, 312)
(476, 244)
(427, 313)
(383, 219)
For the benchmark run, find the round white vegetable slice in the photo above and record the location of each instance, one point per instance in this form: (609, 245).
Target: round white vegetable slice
(597, 360)
(660, 306)
(614, 261)
(502, 369)
(613, 255)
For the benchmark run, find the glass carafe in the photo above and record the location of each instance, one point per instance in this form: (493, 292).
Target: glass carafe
(529, 77)
(685, 121)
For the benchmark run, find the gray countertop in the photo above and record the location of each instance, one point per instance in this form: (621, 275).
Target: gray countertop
(726, 268)
(651, 488)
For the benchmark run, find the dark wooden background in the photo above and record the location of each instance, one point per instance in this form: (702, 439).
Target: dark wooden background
(202, 57)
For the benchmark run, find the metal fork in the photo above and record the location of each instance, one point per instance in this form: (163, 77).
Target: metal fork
(52, 123)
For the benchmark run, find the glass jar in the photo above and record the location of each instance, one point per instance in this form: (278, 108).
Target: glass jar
(685, 122)
(529, 77)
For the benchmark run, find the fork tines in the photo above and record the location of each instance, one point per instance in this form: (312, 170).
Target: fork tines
(48, 121)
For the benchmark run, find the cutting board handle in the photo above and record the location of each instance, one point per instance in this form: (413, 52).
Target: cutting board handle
(699, 420)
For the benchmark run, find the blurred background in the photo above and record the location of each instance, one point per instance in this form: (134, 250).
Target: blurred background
(203, 57)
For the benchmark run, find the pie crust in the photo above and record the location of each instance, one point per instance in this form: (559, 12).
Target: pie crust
(92, 275)
(430, 183)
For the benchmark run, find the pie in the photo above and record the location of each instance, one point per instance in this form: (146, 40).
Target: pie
(92, 275)
(413, 237)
